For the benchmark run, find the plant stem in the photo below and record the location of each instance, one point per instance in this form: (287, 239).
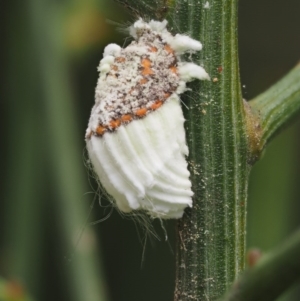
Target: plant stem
(224, 136)
(211, 236)
(274, 273)
(23, 183)
(83, 275)
(277, 106)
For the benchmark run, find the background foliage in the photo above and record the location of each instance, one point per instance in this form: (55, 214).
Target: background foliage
(48, 74)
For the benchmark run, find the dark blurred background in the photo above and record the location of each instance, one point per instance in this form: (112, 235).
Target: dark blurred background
(49, 53)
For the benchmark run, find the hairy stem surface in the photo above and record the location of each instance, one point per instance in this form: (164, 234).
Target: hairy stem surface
(211, 236)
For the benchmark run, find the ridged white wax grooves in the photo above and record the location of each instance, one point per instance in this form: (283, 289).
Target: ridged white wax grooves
(137, 144)
(144, 167)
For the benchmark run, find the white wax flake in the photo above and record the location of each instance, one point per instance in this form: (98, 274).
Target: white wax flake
(135, 137)
(190, 71)
(206, 5)
(112, 49)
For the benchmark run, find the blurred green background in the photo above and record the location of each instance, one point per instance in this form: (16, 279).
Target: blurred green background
(50, 51)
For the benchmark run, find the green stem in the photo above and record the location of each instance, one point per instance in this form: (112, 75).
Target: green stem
(277, 106)
(211, 236)
(23, 183)
(273, 274)
(65, 152)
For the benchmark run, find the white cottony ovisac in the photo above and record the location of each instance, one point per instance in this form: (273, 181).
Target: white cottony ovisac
(135, 137)
(142, 166)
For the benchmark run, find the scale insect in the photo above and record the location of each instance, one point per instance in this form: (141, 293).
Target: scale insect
(135, 136)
